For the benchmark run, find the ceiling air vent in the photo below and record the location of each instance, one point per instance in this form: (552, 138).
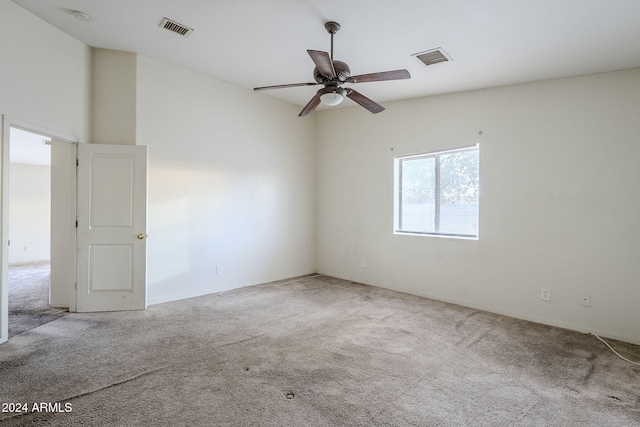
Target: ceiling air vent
(176, 27)
(433, 56)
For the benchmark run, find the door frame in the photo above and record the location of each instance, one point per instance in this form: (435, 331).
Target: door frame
(6, 124)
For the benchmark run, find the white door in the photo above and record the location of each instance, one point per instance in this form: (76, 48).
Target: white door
(63, 224)
(111, 234)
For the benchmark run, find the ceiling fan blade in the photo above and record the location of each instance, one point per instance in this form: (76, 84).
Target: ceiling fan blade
(315, 101)
(364, 101)
(284, 86)
(323, 62)
(378, 77)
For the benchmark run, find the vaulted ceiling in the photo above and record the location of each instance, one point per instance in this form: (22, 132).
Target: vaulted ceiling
(253, 43)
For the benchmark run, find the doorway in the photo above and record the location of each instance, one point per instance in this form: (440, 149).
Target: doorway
(29, 208)
(117, 279)
(62, 161)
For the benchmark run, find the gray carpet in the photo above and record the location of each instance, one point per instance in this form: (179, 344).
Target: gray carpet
(315, 351)
(29, 298)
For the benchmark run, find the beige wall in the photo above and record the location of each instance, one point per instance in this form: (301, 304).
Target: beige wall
(558, 200)
(113, 97)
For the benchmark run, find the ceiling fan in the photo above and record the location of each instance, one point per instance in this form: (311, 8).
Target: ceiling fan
(332, 74)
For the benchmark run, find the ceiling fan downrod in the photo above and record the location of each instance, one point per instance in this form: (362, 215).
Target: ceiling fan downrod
(332, 27)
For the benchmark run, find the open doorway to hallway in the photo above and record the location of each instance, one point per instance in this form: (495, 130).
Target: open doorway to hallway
(29, 232)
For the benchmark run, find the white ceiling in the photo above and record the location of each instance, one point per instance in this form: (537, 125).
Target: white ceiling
(253, 43)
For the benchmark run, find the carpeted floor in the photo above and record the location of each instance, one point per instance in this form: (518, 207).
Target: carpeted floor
(29, 298)
(314, 351)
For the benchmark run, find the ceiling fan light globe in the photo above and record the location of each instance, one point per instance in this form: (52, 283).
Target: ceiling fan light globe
(331, 98)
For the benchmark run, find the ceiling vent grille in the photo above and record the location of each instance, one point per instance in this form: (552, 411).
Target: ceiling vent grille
(433, 56)
(176, 27)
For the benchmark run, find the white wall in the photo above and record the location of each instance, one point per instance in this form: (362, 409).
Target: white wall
(29, 213)
(44, 86)
(44, 77)
(232, 172)
(558, 207)
(231, 184)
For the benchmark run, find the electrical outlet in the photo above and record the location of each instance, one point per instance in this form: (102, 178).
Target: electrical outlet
(363, 263)
(585, 300)
(545, 294)
(27, 248)
(218, 269)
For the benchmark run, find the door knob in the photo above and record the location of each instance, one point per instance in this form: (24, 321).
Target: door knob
(141, 236)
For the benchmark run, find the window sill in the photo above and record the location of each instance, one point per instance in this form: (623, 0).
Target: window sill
(446, 236)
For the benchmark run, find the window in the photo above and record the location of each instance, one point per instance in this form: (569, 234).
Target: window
(437, 193)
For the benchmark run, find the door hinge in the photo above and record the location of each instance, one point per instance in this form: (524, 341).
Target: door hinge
(77, 162)
(76, 223)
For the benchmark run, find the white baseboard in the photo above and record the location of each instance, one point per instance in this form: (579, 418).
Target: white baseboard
(34, 262)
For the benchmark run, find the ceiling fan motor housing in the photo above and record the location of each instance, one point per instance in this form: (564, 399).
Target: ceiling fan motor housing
(342, 72)
(332, 89)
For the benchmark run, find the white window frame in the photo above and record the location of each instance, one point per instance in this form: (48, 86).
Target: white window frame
(397, 189)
